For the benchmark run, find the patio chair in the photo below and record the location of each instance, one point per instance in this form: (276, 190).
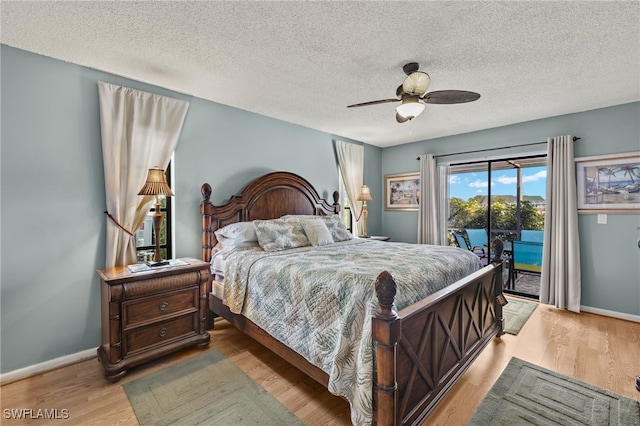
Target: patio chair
(478, 239)
(464, 244)
(527, 258)
(460, 241)
(532, 236)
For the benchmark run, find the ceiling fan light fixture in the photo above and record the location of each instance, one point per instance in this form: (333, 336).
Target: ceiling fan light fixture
(416, 83)
(410, 107)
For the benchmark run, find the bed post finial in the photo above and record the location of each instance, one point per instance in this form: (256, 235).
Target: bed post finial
(336, 202)
(206, 190)
(498, 249)
(386, 289)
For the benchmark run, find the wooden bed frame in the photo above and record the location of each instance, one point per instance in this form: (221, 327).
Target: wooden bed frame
(419, 352)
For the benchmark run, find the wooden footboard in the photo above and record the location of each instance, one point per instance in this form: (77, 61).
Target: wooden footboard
(421, 351)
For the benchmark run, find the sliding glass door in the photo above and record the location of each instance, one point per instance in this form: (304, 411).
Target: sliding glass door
(501, 199)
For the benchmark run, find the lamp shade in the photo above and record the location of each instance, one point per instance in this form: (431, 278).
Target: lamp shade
(365, 194)
(410, 107)
(156, 183)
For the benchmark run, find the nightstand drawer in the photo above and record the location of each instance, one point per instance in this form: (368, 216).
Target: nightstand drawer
(159, 333)
(140, 311)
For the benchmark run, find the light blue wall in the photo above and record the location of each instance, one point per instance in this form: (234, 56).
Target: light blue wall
(373, 178)
(609, 255)
(228, 148)
(217, 149)
(52, 193)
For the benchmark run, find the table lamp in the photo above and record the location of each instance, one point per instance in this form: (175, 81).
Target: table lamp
(364, 195)
(157, 186)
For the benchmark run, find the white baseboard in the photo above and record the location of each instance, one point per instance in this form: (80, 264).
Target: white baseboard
(52, 364)
(614, 314)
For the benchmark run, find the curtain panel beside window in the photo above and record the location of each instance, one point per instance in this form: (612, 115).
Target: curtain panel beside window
(560, 284)
(351, 163)
(140, 130)
(434, 202)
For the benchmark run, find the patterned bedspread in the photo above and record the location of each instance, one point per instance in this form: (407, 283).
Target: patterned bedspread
(319, 301)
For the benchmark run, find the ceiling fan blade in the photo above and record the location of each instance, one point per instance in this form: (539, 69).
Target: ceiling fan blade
(411, 67)
(381, 101)
(402, 119)
(450, 97)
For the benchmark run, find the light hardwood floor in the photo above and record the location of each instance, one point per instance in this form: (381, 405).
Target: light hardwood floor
(599, 350)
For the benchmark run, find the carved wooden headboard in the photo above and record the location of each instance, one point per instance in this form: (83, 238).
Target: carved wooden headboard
(267, 197)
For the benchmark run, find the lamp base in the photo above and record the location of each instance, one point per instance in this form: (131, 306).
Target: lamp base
(157, 263)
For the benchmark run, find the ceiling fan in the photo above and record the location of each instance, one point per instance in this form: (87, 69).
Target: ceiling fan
(413, 95)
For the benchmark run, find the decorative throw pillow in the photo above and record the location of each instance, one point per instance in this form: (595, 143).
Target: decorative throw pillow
(298, 217)
(334, 224)
(317, 232)
(277, 234)
(336, 227)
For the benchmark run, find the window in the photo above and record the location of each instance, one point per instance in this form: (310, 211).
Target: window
(145, 238)
(514, 188)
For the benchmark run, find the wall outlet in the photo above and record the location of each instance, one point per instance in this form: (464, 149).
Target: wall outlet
(602, 219)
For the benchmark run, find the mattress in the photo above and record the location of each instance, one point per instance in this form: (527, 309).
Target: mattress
(217, 288)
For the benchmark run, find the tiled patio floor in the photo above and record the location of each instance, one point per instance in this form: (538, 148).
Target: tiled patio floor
(527, 284)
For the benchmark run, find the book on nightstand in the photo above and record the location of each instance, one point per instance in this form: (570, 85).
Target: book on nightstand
(141, 267)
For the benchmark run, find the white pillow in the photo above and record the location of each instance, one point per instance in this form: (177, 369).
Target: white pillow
(239, 235)
(317, 232)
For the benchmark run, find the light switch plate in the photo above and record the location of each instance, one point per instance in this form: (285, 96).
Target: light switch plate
(602, 219)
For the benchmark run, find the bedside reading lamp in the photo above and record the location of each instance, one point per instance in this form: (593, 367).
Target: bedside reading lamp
(364, 195)
(156, 185)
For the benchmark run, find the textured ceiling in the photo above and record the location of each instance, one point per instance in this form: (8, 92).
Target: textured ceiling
(304, 62)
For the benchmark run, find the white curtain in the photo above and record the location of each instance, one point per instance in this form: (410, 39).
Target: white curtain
(560, 282)
(433, 206)
(442, 183)
(351, 163)
(140, 130)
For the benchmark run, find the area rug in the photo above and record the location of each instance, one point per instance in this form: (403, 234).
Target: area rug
(516, 313)
(207, 389)
(526, 394)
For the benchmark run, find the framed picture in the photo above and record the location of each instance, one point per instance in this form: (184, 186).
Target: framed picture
(402, 191)
(609, 183)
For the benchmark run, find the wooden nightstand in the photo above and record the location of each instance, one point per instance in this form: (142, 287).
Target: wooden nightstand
(146, 315)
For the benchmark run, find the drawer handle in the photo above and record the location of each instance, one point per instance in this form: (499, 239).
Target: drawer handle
(162, 332)
(163, 306)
